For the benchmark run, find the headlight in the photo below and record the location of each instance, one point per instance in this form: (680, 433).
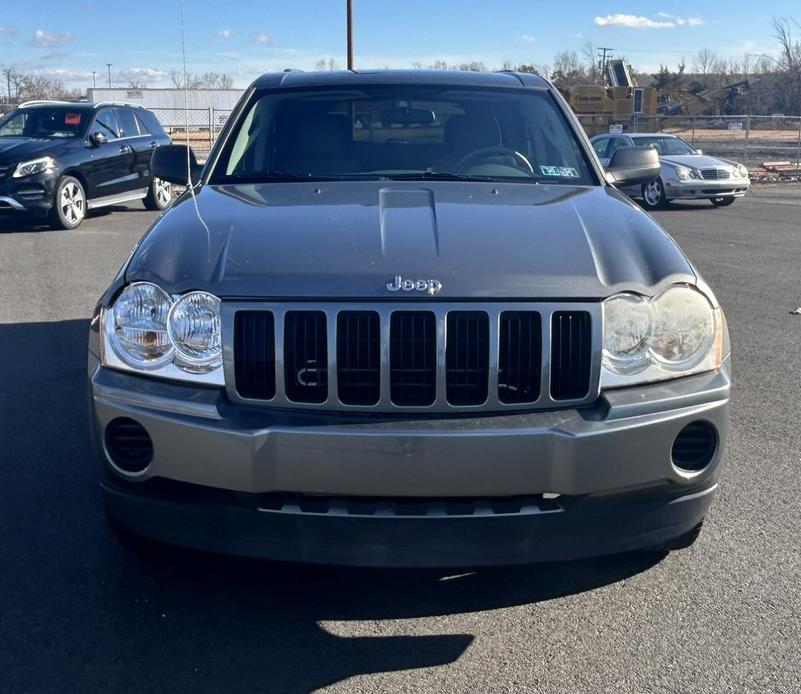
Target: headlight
(682, 330)
(627, 326)
(682, 173)
(180, 339)
(34, 166)
(194, 329)
(674, 334)
(742, 171)
(138, 326)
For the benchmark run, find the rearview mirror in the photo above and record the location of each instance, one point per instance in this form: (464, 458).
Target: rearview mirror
(169, 163)
(631, 166)
(98, 139)
(408, 116)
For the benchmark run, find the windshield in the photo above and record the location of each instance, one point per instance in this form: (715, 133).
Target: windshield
(41, 121)
(665, 145)
(403, 132)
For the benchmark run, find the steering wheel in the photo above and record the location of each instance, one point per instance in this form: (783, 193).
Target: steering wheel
(486, 152)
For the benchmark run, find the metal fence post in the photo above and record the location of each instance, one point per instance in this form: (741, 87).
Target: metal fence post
(798, 149)
(692, 140)
(211, 126)
(747, 135)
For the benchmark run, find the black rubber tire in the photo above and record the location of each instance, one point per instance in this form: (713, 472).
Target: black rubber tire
(661, 203)
(680, 542)
(723, 202)
(58, 218)
(153, 200)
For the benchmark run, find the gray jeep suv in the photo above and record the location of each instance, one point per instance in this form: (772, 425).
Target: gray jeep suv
(405, 319)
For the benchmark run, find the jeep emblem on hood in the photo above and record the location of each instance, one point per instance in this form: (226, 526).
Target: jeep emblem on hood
(430, 287)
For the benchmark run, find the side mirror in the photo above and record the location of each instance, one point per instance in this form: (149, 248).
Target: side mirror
(168, 163)
(698, 151)
(631, 166)
(97, 139)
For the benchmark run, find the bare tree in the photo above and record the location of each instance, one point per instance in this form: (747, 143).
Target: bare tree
(208, 80)
(15, 82)
(789, 63)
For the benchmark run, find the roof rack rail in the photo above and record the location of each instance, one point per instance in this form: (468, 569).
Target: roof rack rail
(39, 102)
(117, 103)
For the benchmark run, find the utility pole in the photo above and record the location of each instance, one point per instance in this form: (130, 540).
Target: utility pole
(108, 66)
(603, 60)
(350, 34)
(94, 79)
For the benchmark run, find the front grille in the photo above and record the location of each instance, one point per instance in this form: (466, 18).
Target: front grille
(571, 345)
(413, 358)
(715, 174)
(385, 357)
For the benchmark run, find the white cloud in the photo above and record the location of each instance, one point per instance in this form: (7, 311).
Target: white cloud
(46, 39)
(263, 40)
(634, 21)
(528, 38)
(225, 33)
(631, 21)
(6, 31)
(148, 75)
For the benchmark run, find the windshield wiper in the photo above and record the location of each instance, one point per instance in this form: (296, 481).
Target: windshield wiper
(276, 177)
(431, 176)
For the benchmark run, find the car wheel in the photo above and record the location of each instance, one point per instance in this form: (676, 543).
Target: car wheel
(653, 195)
(723, 202)
(69, 205)
(159, 195)
(680, 542)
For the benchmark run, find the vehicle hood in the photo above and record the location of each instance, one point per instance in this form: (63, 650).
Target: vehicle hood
(349, 239)
(15, 149)
(695, 161)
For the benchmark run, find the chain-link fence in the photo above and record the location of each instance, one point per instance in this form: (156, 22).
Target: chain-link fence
(770, 142)
(197, 127)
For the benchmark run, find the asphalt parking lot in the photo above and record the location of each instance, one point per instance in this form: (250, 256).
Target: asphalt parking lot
(80, 613)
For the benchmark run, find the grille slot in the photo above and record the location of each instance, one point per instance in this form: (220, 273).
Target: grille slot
(695, 446)
(413, 358)
(467, 357)
(358, 357)
(715, 174)
(254, 354)
(305, 356)
(519, 357)
(571, 349)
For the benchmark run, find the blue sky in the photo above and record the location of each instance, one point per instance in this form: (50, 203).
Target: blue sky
(247, 37)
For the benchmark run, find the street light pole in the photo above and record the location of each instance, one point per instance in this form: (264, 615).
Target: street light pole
(350, 34)
(108, 66)
(94, 79)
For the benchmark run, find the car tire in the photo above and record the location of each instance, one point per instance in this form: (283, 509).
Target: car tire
(723, 202)
(69, 204)
(680, 542)
(653, 195)
(159, 195)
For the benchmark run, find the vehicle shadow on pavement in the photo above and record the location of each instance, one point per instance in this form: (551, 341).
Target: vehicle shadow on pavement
(12, 223)
(83, 613)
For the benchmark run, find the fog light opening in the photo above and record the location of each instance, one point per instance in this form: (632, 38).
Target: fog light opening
(695, 446)
(129, 446)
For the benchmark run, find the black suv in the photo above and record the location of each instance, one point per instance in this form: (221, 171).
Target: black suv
(58, 159)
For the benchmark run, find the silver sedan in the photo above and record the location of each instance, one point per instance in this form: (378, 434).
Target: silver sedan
(686, 173)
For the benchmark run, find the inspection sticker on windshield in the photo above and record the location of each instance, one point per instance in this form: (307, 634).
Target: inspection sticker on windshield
(561, 171)
(72, 119)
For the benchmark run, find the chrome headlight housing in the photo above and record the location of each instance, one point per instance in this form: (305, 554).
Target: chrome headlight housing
(147, 330)
(677, 333)
(34, 166)
(682, 173)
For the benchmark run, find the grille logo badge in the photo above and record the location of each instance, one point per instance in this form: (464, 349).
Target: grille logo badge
(398, 284)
